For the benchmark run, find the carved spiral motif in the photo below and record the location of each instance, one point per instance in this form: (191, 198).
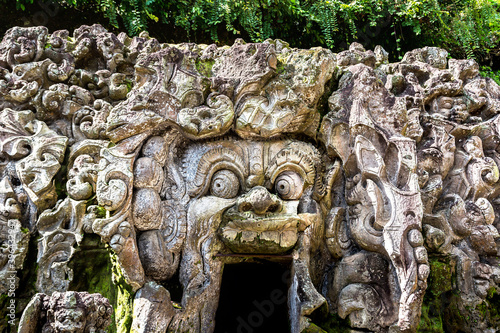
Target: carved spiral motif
(182, 177)
(225, 184)
(289, 185)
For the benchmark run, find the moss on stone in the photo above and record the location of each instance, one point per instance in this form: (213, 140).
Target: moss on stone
(332, 323)
(443, 309)
(204, 67)
(100, 212)
(102, 275)
(440, 285)
(124, 298)
(487, 311)
(442, 276)
(313, 329)
(280, 67)
(430, 320)
(130, 84)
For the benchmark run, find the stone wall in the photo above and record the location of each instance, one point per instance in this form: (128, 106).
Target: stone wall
(138, 170)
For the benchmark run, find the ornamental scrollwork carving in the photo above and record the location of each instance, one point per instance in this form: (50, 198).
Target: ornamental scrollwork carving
(365, 179)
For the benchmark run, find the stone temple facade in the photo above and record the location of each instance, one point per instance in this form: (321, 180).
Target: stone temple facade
(374, 184)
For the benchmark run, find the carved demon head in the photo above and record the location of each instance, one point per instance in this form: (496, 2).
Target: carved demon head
(186, 158)
(260, 192)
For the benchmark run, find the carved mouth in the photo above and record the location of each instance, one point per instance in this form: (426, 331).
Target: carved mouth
(269, 222)
(266, 242)
(432, 152)
(268, 234)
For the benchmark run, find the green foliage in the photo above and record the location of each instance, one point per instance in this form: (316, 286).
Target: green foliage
(20, 4)
(467, 28)
(488, 72)
(473, 30)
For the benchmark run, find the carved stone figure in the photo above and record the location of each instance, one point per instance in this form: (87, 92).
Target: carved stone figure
(13, 238)
(374, 183)
(66, 312)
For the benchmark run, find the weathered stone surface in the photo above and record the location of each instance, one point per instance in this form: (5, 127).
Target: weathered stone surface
(152, 309)
(364, 175)
(13, 238)
(66, 312)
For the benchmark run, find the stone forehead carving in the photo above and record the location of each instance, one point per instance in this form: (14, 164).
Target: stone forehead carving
(360, 175)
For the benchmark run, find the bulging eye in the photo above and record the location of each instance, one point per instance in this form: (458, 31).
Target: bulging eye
(289, 185)
(225, 184)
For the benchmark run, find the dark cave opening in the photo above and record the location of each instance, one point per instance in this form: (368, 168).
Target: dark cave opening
(253, 299)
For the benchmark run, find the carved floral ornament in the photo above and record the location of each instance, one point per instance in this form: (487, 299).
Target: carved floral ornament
(185, 158)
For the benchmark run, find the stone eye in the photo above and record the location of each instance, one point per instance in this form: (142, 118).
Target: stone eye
(289, 185)
(224, 184)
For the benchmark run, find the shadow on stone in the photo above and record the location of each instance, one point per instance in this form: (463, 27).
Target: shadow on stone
(253, 299)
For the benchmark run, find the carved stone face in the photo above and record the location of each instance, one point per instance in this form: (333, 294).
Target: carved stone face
(39, 152)
(436, 153)
(69, 320)
(38, 169)
(474, 147)
(9, 207)
(452, 108)
(260, 191)
(82, 178)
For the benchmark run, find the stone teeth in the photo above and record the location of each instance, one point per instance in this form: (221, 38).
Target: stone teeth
(271, 236)
(288, 238)
(248, 236)
(230, 233)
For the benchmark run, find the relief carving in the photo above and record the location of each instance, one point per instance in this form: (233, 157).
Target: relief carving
(365, 179)
(71, 311)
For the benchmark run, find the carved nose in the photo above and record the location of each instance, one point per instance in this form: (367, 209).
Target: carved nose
(260, 201)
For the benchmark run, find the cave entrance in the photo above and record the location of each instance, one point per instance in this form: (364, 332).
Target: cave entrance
(253, 299)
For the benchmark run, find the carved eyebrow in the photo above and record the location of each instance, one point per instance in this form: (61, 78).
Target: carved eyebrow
(295, 159)
(212, 161)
